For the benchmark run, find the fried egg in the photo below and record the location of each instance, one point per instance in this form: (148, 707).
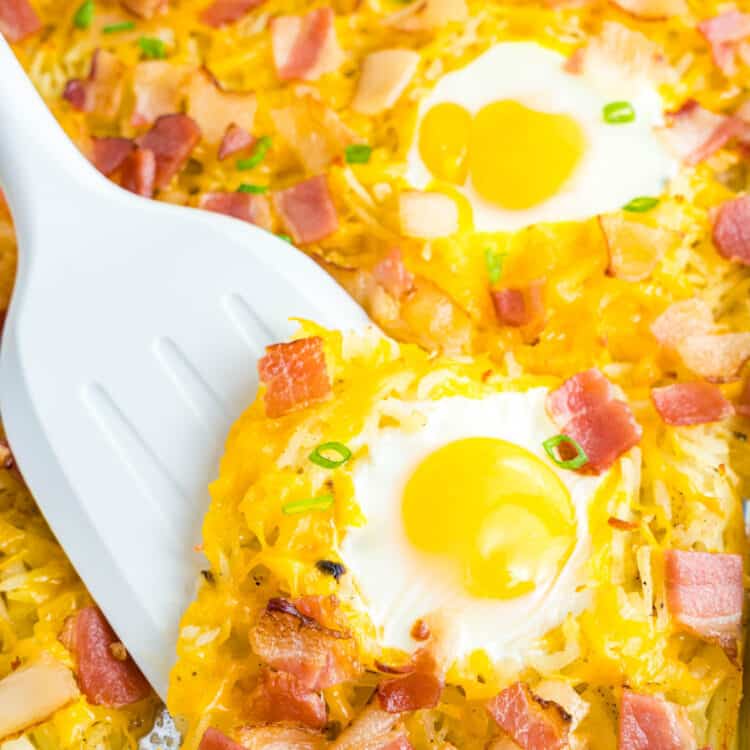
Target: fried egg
(524, 141)
(470, 523)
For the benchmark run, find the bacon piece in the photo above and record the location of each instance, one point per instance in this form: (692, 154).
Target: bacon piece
(215, 109)
(716, 357)
(533, 724)
(690, 317)
(306, 46)
(724, 33)
(101, 92)
(255, 209)
(428, 15)
(587, 408)
(648, 722)
(171, 139)
(694, 133)
(410, 692)
(103, 679)
(314, 132)
(280, 696)
(705, 595)
(281, 737)
(146, 8)
(18, 19)
(392, 274)
(139, 172)
(109, 154)
(427, 215)
(634, 247)
(731, 232)
(385, 76)
(318, 656)
(235, 139)
(519, 307)
(157, 88)
(653, 10)
(223, 12)
(690, 403)
(307, 210)
(213, 739)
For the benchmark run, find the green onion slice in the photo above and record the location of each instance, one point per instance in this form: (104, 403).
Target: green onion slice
(259, 153)
(318, 455)
(285, 237)
(358, 153)
(494, 262)
(551, 444)
(152, 48)
(641, 204)
(114, 28)
(322, 502)
(618, 113)
(246, 187)
(84, 15)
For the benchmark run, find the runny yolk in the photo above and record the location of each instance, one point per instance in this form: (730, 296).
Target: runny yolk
(517, 157)
(494, 510)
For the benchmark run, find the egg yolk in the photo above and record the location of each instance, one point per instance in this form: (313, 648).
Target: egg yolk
(496, 511)
(517, 157)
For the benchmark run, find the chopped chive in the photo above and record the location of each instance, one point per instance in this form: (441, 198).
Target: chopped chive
(152, 48)
(618, 113)
(331, 568)
(259, 153)
(322, 502)
(285, 237)
(114, 28)
(551, 444)
(246, 187)
(641, 204)
(358, 153)
(318, 455)
(84, 15)
(494, 261)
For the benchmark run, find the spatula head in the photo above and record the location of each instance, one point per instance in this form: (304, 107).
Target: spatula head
(131, 346)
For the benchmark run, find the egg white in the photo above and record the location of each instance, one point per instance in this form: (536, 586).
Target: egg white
(621, 162)
(399, 585)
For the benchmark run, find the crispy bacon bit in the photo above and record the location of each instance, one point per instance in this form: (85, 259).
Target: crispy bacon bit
(725, 33)
(223, 12)
(420, 631)
(392, 274)
(621, 525)
(314, 132)
(690, 317)
(255, 209)
(690, 403)
(215, 109)
(533, 724)
(235, 139)
(731, 232)
(109, 154)
(648, 722)
(101, 92)
(427, 15)
(634, 247)
(705, 595)
(306, 46)
(427, 215)
(716, 357)
(372, 729)
(280, 696)
(385, 76)
(519, 307)
(213, 739)
(138, 172)
(103, 679)
(695, 133)
(652, 10)
(307, 210)
(290, 641)
(295, 375)
(146, 8)
(587, 408)
(410, 692)
(157, 88)
(18, 20)
(171, 139)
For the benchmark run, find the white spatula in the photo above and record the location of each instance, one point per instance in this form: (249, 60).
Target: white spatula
(130, 347)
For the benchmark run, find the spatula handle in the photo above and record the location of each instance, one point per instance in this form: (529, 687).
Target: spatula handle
(41, 171)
